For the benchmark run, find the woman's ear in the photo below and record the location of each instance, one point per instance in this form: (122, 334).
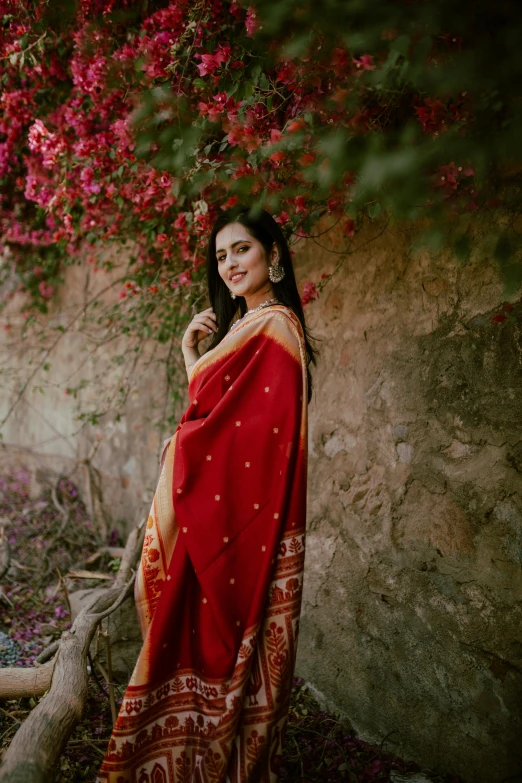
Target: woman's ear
(274, 254)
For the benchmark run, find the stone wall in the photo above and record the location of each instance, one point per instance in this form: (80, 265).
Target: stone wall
(115, 461)
(413, 598)
(413, 595)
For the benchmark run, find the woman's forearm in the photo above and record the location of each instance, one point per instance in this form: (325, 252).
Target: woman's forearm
(191, 355)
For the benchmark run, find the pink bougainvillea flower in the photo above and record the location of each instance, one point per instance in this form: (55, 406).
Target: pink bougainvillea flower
(47, 144)
(278, 157)
(236, 9)
(282, 219)
(185, 278)
(340, 59)
(45, 289)
(230, 202)
(306, 159)
(431, 114)
(309, 292)
(365, 62)
(209, 110)
(235, 135)
(300, 203)
(181, 221)
(286, 73)
(211, 62)
(252, 22)
(349, 228)
(87, 179)
(294, 126)
(448, 177)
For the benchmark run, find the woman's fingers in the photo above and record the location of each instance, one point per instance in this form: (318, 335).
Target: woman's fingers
(202, 324)
(201, 320)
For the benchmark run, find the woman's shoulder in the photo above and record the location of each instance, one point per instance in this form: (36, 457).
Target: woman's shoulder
(277, 320)
(278, 309)
(282, 312)
(282, 320)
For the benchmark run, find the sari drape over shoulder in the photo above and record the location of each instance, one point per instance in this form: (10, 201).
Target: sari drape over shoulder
(218, 588)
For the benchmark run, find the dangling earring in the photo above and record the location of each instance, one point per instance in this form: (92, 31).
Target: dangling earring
(276, 272)
(232, 294)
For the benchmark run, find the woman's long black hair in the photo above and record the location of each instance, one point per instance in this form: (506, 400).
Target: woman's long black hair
(262, 226)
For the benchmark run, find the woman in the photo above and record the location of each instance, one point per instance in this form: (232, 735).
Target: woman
(218, 589)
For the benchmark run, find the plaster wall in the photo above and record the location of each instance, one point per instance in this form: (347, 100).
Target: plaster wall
(114, 458)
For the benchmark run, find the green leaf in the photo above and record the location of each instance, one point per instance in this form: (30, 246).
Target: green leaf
(256, 73)
(248, 90)
(462, 248)
(374, 210)
(199, 82)
(401, 45)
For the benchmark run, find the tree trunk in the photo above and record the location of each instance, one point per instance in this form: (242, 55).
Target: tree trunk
(38, 744)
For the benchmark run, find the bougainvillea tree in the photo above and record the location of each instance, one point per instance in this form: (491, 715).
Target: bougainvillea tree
(125, 122)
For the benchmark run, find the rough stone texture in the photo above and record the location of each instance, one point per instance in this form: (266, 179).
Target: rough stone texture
(412, 610)
(413, 590)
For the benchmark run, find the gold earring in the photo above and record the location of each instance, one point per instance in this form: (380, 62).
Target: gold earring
(276, 272)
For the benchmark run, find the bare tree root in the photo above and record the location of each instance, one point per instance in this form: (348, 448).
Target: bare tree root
(39, 742)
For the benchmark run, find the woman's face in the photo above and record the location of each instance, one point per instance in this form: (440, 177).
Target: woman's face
(242, 261)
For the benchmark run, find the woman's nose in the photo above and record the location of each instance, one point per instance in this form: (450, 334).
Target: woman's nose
(230, 261)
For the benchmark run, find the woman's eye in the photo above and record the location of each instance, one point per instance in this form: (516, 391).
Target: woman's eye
(244, 247)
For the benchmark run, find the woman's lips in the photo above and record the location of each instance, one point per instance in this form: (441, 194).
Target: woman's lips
(236, 278)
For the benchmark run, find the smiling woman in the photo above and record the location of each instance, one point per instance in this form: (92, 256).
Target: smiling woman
(218, 589)
(242, 264)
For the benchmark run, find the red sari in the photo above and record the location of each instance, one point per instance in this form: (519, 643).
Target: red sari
(218, 588)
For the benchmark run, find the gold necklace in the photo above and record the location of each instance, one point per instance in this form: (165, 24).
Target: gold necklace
(255, 309)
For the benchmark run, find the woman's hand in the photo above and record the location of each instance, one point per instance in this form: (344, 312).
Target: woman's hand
(201, 326)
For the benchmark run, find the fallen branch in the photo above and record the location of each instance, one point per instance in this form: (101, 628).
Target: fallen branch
(48, 652)
(17, 681)
(37, 745)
